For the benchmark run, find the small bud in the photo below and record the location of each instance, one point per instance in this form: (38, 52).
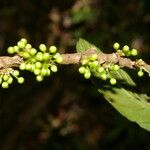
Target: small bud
(94, 57)
(82, 70)
(39, 78)
(46, 56)
(59, 60)
(39, 56)
(10, 80)
(126, 48)
(25, 55)
(54, 68)
(116, 46)
(21, 44)
(84, 61)
(5, 85)
(116, 67)
(134, 52)
(5, 77)
(100, 69)
(20, 80)
(43, 72)
(42, 47)
(24, 40)
(22, 66)
(103, 76)
(140, 73)
(16, 49)
(10, 50)
(38, 65)
(87, 75)
(113, 81)
(28, 46)
(37, 71)
(15, 73)
(33, 51)
(52, 49)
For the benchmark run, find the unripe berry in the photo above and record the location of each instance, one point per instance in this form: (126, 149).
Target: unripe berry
(82, 70)
(113, 81)
(39, 78)
(16, 49)
(32, 67)
(39, 56)
(33, 51)
(25, 55)
(10, 50)
(1, 79)
(84, 61)
(22, 66)
(134, 52)
(140, 73)
(15, 73)
(56, 55)
(103, 76)
(28, 46)
(20, 80)
(43, 72)
(128, 53)
(126, 48)
(46, 56)
(116, 46)
(54, 68)
(5, 85)
(94, 57)
(116, 67)
(95, 63)
(87, 75)
(42, 47)
(10, 80)
(48, 72)
(5, 77)
(37, 71)
(24, 40)
(59, 60)
(28, 66)
(38, 64)
(52, 49)
(21, 44)
(100, 69)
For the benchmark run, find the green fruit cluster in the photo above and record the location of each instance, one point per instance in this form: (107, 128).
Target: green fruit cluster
(91, 66)
(7, 76)
(126, 51)
(41, 62)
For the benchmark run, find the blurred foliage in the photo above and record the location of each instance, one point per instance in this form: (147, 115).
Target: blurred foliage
(65, 111)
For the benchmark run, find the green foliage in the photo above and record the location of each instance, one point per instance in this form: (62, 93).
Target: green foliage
(83, 45)
(133, 106)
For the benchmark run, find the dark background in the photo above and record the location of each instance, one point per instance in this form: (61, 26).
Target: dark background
(65, 111)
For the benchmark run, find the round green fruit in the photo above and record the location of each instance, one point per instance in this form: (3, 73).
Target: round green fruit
(5, 85)
(116, 46)
(113, 81)
(20, 80)
(52, 49)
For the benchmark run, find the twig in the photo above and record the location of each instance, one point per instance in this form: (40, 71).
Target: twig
(75, 58)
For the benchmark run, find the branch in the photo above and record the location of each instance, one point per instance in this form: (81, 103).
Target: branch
(75, 58)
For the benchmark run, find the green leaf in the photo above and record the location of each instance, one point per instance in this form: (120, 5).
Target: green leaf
(133, 106)
(123, 76)
(83, 45)
(120, 75)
